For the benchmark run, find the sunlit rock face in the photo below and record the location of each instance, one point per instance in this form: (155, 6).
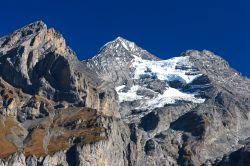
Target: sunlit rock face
(124, 106)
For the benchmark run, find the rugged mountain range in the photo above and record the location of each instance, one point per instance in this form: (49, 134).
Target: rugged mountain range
(124, 106)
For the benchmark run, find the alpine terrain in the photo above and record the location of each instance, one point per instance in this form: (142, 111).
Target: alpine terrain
(123, 107)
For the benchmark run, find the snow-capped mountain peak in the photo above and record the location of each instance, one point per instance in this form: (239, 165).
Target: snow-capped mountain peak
(121, 47)
(120, 42)
(144, 82)
(115, 58)
(122, 107)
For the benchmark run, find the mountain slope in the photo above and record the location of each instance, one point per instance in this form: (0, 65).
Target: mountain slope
(196, 101)
(50, 100)
(125, 106)
(144, 81)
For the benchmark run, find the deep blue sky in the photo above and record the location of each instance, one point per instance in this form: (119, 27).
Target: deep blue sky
(164, 27)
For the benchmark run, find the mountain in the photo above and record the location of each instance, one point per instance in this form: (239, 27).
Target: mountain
(124, 106)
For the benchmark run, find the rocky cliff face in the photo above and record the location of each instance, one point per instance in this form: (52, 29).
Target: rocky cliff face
(124, 106)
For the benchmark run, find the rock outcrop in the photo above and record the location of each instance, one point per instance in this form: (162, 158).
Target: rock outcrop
(124, 106)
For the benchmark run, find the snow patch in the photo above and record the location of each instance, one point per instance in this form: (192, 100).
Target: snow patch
(130, 95)
(165, 70)
(170, 96)
(178, 68)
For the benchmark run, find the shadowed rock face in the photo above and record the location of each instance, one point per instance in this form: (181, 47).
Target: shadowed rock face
(32, 58)
(191, 123)
(149, 122)
(239, 157)
(124, 106)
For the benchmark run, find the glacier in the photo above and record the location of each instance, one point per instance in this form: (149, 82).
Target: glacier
(174, 69)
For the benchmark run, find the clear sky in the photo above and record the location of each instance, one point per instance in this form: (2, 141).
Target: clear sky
(165, 28)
